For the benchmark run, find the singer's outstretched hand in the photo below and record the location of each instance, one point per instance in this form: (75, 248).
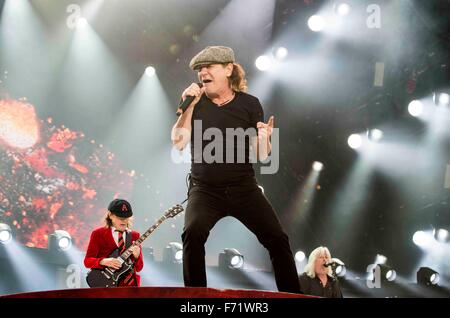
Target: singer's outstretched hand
(264, 133)
(265, 130)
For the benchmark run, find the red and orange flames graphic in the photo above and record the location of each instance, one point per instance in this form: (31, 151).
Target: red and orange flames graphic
(52, 178)
(18, 124)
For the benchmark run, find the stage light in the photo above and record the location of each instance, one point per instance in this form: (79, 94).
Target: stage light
(263, 63)
(380, 259)
(374, 135)
(354, 141)
(316, 23)
(342, 9)
(231, 258)
(338, 267)
(81, 23)
(173, 253)
(387, 274)
(281, 53)
(5, 233)
(150, 71)
(317, 166)
(441, 99)
(441, 235)
(415, 108)
(300, 256)
(422, 239)
(59, 240)
(427, 276)
(391, 275)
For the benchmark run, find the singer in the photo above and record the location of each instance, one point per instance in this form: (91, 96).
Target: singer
(226, 188)
(318, 279)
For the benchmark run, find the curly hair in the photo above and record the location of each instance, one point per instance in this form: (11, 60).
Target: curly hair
(237, 79)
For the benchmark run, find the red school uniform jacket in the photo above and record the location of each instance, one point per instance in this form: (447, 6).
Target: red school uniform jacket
(102, 243)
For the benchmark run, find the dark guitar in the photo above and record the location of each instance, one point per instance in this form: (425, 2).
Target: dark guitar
(109, 277)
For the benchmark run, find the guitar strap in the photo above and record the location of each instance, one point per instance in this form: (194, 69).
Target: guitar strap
(128, 243)
(128, 240)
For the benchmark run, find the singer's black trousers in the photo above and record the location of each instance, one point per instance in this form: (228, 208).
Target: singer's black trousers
(246, 202)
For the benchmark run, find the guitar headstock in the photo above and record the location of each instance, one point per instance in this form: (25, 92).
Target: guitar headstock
(173, 211)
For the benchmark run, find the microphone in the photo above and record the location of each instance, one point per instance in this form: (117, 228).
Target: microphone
(330, 264)
(187, 101)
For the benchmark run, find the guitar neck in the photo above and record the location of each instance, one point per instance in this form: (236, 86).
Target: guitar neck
(125, 255)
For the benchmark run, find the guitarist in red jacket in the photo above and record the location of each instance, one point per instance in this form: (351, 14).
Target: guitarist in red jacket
(116, 234)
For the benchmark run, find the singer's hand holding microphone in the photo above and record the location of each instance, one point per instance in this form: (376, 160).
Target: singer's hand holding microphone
(191, 96)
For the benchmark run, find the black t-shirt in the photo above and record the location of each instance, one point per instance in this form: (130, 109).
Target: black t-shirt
(314, 287)
(218, 157)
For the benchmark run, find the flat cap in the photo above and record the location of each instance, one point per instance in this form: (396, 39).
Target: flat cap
(212, 55)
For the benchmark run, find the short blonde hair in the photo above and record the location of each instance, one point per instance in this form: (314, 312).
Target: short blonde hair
(310, 267)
